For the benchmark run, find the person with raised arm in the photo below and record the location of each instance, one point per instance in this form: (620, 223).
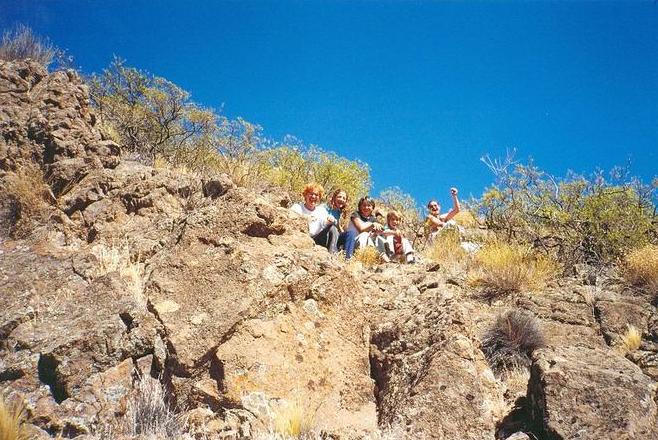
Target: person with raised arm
(321, 224)
(435, 221)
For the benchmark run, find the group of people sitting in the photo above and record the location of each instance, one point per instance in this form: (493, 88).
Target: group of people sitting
(363, 228)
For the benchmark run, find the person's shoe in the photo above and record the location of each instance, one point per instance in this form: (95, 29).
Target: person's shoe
(385, 258)
(411, 259)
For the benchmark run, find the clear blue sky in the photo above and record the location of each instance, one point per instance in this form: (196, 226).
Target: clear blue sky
(419, 90)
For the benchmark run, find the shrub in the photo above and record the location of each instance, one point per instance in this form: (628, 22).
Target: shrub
(12, 422)
(405, 204)
(641, 267)
(466, 219)
(155, 120)
(631, 339)
(368, 256)
(149, 412)
(148, 114)
(292, 165)
(511, 339)
(20, 43)
(446, 248)
(29, 200)
(580, 219)
(501, 268)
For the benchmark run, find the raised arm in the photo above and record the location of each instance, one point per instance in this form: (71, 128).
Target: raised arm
(455, 207)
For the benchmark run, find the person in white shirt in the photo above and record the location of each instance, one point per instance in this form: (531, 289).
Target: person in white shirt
(321, 224)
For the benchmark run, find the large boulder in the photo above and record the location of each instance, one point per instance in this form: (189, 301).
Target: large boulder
(590, 393)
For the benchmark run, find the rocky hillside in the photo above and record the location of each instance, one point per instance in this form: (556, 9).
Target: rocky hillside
(126, 273)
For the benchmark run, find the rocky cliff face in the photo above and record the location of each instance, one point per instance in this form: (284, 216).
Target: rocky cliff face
(218, 293)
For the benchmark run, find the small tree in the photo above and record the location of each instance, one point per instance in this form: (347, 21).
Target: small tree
(150, 115)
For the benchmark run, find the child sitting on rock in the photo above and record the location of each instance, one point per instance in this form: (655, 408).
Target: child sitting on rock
(396, 246)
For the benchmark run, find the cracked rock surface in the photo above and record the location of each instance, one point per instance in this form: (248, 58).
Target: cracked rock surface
(218, 292)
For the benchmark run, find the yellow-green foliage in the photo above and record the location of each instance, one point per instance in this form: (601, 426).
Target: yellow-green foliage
(466, 219)
(149, 115)
(446, 248)
(12, 422)
(155, 120)
(292, 419)
(368, 256)
(501, 268)
(405, 204)
(631, 339)
(594, 220)
(293, 166)
(641, 266)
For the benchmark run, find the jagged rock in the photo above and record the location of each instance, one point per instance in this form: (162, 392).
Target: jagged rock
(616, 316)
(589, 393)
(222, 294)
(218, 186)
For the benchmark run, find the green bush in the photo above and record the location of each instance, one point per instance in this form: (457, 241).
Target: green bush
(156, 121)
(579, 219)
(291, 165)
(150, 115)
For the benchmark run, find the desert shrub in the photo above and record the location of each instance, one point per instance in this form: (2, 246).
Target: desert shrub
(20, 43)
(509, 342)
(404, 203)
(501, 268)
(29, 200)
(580, 219)
(446, 248)
(155, 120)
(368, 256)
(466, 219)
(292, 165)
(12, 421)
(149, 412)
(641, 267)
(149, 115)
(631, 339)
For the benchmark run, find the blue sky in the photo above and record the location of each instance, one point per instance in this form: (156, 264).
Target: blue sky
(418, 90)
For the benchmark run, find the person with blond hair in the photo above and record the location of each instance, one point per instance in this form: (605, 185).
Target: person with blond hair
(395, 246)
(322, 226)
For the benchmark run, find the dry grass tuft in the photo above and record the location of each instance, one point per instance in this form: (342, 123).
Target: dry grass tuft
(149, 412)
(641, 267)
(501, 268)
(12, 422)
(291, 419)
(368, 256)
(631, 339)
(21, 43)
(446, 249)
(29, 198)
(117, 259)
(466, 219)
(511, 339)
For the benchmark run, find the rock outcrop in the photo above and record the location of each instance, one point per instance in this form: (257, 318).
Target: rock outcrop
(218, 292)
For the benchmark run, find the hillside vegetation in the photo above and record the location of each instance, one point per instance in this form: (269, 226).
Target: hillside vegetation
(154, 288)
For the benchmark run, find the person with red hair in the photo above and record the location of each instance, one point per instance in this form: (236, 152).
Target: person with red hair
(322, 226)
